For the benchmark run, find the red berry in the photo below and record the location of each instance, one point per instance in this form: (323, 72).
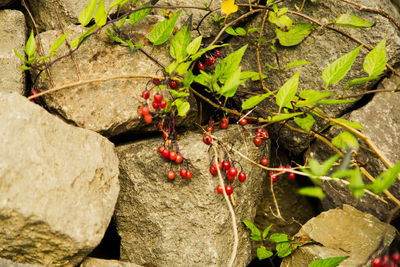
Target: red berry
(249, 121)
(213, 171)
(223, 126)
(207, 139)
(377, 262)
(242, 177)
(155, 105)
(220, 165)
(259, 134)
(282, 169)
(274, 178)
(140, 112)
(201, 66)
(225, 120)
(259, 130)
(157, 97)
(156, 81)
(292, 176)
(189, 175)
(183, 173)
(172, 155)
(145, 110)
(163, 103)
(165, 153)
(264, 161)
(148, 118)
(211, 123)
(209, 129)
(243, 121)
(396, 257)
(171, 175)
(210, 61)
(161, 149)
(220, 189)
(226, 165)
(228, 190)
(146, 94)
(232, 172)
(264, 135)
(217, 53)
(230, 178)
(257, 141)
(179, 158)
(173, 84)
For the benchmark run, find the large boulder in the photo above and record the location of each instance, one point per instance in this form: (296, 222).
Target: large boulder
(12, 32)
(381, 118)
(8, 263)
(342, 232)
(184, 222)
(59, 185)
(108, 107)
(93, 262)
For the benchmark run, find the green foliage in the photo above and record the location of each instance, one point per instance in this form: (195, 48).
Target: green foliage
(255, 233)
(163, 30)
(100, 17)
(354, 124)
(351, 21)
(328, 262)
(180, 42)
(263, 253)
(254, 100)
(87, 13)
(345, 141)
(375, 61)
(287, 92)
(296, 63)
(295, 35)
(305, 123)
(58, 42)
(239, 31)
(312, 192)
(385, 179)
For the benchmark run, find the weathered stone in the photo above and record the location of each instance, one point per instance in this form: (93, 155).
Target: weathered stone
(59, 185)
(8, 263)
(181, 222)
(6, 2)
(108, 107)
(381, 118)
(342, 232)
(93, 262)
(12, 32)
(322, 47)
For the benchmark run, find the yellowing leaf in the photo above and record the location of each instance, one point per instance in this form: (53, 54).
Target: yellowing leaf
(228, 7)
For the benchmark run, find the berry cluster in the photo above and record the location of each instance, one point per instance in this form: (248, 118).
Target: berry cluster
(260, 136)
(174, 157)
(274, 175)
(209, 60)
(386, 261)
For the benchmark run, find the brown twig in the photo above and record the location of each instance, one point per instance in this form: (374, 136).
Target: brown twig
(260, 72)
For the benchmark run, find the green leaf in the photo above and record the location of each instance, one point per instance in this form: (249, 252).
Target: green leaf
(296, 64)
(305, 123)
(266, 231)
(21, 57)
(335, 101)
(80, 38)
(163, 30)
(254, 100)
(87, 13)
(322, 169)
(183, 67)
(356, 183)
(24, 67)
(351, 21)
(345, 141)
(203, 78)
(182, 106)
(194, 45)
(189, 78)
(278, 237)
(230, 64)
(121, 22)
(232, 84)
(171, 67)
(255, 76)
(385, 179)
(282, 22)
(255, 233)
(139, 15)
(328, 262)
(263, 253)
(361, 80)
(251, 30)
(30, 45)
(282, 117)
(58, 42)
(354, 124)
(180, 41)
(116, 3)
(339, 68)
(100, 17)
(311, 97)
(231, 31)
(204, 50)
(283, 249)
(287, 92)
(177, 94)
(271, 67)
(311, 192)
(375, 61)
(295, 35)
(240, 31)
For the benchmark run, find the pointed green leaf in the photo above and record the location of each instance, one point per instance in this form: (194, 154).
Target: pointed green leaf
(30, 45)
(189, 78)
(116, 3)
(335, 101)
(139, 15)
(231, 31)
(328, 262)
(180, 41)
(283, 249)
(82, 37)
(375, 61)
(339, 68)
(87, 13)
(385, 179)
(356, 183)
(100, 18)
(305, 123)
(294, 36)
(232, 84)
(163, 30)
(351, 21)
(278, 237)
(287, 92)
(194, 45)
(21, 57)
(121, 22)
(296, 64)
(58, 42)
(24, 67)
(255, 233)
(183, 67)
(345, 141)
(182, 106)
(322, 169)
(255, 76)
(230, 64)
(312, 192)
(204, 50)
(354, 124)
(361, 80)
(283, 117)
(240, 31)
(271, 67)
(254, 100)
(263, 253)
(311, 97)
(266, 231)
(282, 22)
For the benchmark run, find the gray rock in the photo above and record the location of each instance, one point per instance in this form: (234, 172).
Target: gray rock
(342, 232)
(322, 47)
(6, 2)
(181, 222)
(107, 107)
(59, 185)
(93, 262)
(381, 118)
(8, 263)
(12, 32)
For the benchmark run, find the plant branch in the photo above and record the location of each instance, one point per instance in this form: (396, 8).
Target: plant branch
(260, 72)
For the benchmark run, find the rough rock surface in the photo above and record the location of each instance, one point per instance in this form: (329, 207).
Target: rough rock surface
(59, 185)
(12, 32)
(381, 118)
(342, 232)
(322, 47)
(181, 222)
(93, 262)
(108, 107)
(8, 263)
